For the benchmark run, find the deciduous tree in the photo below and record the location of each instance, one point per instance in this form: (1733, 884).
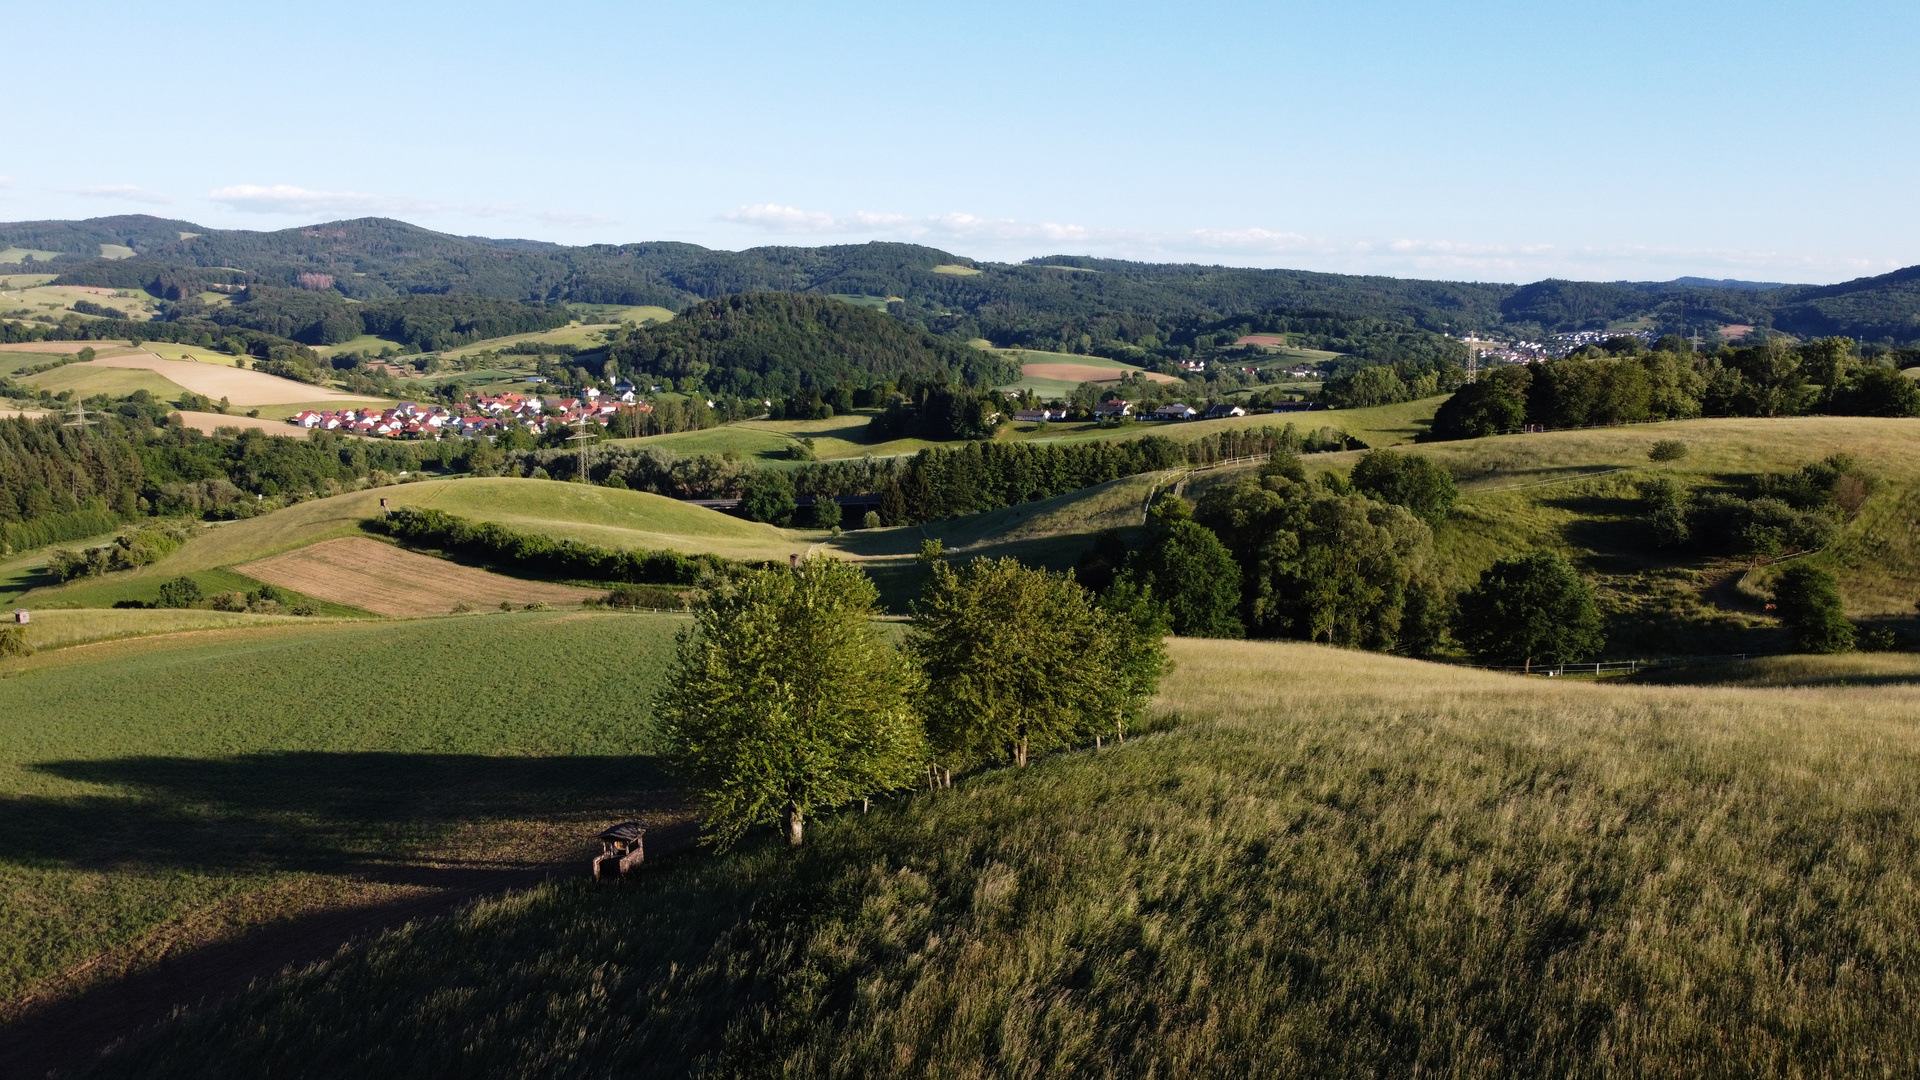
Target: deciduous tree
(784, 698)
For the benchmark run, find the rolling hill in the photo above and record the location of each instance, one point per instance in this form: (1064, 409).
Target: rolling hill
(1030, 304)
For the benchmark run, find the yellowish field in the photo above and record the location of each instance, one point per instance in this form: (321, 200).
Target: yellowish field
(16, 254)
(387, 580)
(22, 281)
(50, 298)
(54, 628)
(1079, 373)
(241, 388)
(955, 269)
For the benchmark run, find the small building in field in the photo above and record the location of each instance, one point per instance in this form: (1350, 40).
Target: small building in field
(1222, 410)
(1176, 411)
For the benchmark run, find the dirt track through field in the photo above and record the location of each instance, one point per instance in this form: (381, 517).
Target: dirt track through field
(1085, 373)
(238, 386)
(387, 580)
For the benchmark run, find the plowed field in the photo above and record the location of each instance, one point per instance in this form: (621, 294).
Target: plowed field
(386, 580)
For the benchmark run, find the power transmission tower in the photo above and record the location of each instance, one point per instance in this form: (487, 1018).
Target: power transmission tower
(585, 440)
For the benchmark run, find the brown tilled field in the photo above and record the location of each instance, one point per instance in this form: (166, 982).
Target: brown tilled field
(1085, 373)
(387, 580)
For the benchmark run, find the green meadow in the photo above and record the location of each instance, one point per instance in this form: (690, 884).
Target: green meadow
(147, 780)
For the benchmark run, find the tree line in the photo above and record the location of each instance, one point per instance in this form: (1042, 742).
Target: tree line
(1626, 383)
(61, 483)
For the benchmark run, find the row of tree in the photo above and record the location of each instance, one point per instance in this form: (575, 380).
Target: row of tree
(786, 698)
(1672, 382)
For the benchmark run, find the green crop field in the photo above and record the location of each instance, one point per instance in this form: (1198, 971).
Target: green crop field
(245, 775)
(1328, 864)
(86, 380)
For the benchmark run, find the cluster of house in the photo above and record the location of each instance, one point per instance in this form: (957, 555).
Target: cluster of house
(478, 415)
(1526, 352)
(1116, 410)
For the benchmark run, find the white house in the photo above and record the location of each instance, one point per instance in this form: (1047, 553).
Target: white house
(1176, 411)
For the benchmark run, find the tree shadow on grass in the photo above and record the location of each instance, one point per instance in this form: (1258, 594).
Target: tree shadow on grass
(316, 812)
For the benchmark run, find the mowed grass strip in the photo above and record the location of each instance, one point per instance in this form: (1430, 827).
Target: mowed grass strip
(1335, 864)
(147, 783)
(387, 580)
(58, 628)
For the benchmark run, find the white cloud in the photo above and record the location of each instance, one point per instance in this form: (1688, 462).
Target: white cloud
(123, 193)
(572, 220)
(288, 199)
(1006, 238)
(6, 182)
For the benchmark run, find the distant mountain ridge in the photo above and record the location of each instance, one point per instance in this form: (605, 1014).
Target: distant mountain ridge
(1044, 302)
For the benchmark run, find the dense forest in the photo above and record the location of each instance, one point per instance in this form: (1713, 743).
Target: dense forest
(778, 345)
(1074, 304)
(61, 483)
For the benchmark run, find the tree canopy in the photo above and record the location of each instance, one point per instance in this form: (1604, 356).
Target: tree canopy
(1530, 609)
(785, 698)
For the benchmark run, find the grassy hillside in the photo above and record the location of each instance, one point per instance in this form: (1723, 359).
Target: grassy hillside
(166, 789)
(1574, 491)
(1333, 865)
(845, 436)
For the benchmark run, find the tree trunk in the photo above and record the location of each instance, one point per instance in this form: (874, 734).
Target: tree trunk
(794, 824)
(1020, 751)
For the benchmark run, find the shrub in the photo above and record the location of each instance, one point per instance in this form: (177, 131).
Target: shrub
(181, 592)
(1667, 450)
(13, 642)
(767, 496)
(870, 520)
(825, 512)
(1807, 600)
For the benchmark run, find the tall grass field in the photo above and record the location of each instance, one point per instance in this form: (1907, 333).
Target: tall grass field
(1326, 864)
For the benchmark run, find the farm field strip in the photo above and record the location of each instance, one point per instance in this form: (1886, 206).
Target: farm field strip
(388, 580)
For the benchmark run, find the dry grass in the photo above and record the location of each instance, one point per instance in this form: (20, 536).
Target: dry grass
(386, 580)
(242, 388)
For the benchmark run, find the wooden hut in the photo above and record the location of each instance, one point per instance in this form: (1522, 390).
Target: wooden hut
(620, 849)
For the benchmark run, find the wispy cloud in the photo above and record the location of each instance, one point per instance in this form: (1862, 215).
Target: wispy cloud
(122, 193)
(1009, 238)
(5, 182)
(288, 199)
(572, 220)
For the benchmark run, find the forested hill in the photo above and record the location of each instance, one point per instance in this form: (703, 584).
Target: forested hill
(1049, 302)
(778, 345)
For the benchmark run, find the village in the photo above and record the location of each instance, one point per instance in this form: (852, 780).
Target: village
(478, 416)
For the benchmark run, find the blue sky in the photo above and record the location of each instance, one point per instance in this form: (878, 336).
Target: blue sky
(1482, 140)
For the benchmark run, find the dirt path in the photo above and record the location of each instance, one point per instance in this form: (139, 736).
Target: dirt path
(65, 1036)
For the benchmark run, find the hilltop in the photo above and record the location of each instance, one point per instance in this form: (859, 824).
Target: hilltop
(1325, 864)
(1040, 303)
